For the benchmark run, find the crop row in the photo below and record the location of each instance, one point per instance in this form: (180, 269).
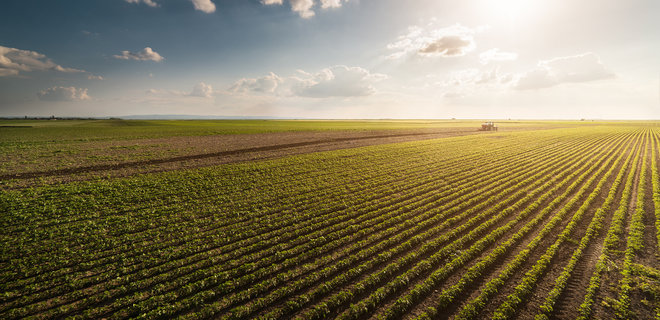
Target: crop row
(592, 230)
(342, 296)
(474, 307)
(116, 241)
(634, 244)
(407, 300)
(508, 307)
(322, 235)
(269, 283)
(475, 272)
(611, 241)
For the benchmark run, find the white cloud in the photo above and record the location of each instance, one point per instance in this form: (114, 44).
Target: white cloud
(325, 4)
(536, 79)
(8, 72)
(496, 55)
(430, 40)
(449, 46)
(467, 82)
(14, 61)
(304, 7)
(94, 77)
(265, 84)
(202, 90)
(579, 68)
(63, 94)
(150, 3)
(494, 76)
(337, 81)
(204, 5)
(143, 55)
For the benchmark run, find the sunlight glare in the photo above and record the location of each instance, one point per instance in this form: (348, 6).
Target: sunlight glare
(511, 11)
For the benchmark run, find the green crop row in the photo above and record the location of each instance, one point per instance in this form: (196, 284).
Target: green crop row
(609, 244)
(475, 272)
(380, 231)
(634, 244)
(141, 274)
(592, 230)
(402, 220)
(113, 245)
(540, 194)
(508, 307)
(475, 306)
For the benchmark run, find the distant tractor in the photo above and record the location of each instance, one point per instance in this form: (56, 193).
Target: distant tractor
(488, 126)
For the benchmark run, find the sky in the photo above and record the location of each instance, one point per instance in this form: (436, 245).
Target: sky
(332, 59)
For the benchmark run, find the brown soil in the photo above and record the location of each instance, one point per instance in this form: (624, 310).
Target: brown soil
(126, 158)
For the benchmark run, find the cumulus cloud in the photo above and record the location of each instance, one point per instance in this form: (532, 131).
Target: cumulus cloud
(14, 61)
(325, 4)
(430, 40)
(143, 55)
(150, 3)
(469, 77)
(496, 55)
(63, 94)
(468, 82)
(8, 72)
(265, 84)
(494, 76)
(204, 5)
(337, 81)
(304, 7)
(448, 46)
(202, 90)
(579, 68)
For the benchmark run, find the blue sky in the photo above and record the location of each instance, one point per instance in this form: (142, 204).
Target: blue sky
(331, 58)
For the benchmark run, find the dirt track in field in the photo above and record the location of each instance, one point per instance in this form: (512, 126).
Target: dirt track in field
(203, 151)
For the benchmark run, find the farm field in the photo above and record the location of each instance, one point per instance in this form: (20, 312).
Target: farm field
(329, 219)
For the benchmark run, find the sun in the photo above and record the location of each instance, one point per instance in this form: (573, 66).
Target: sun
(512, 11)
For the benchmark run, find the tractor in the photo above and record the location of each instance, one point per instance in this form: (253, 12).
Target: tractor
(488, 126)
